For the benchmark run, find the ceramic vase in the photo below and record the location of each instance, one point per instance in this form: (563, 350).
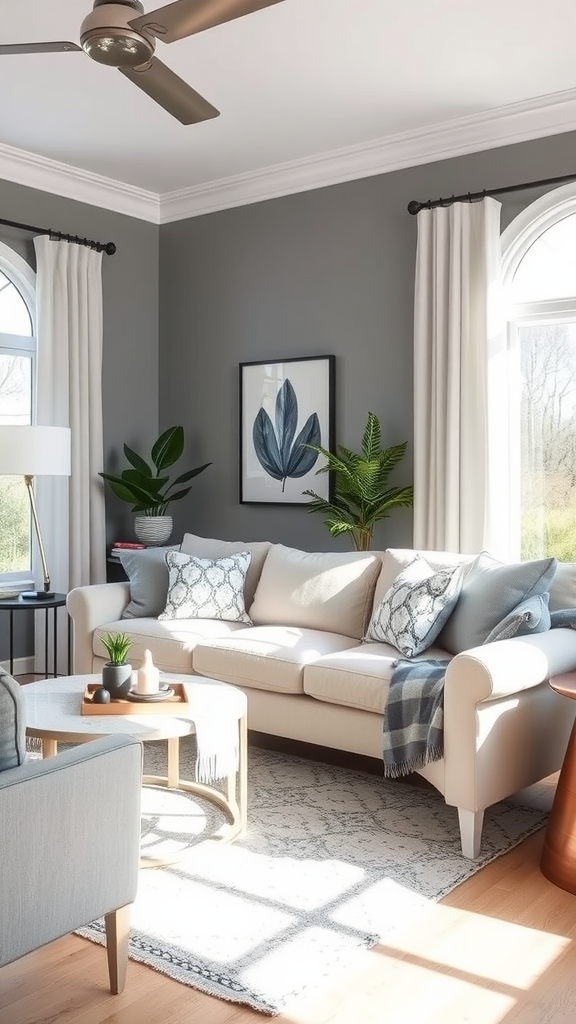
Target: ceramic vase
(117, 679)
(153, 530)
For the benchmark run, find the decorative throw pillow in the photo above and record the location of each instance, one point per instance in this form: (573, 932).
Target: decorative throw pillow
(491, 590)
(413, 611)
(531, 616)
(206, 588)
(12, 727)
(563, 618)
(148, 575)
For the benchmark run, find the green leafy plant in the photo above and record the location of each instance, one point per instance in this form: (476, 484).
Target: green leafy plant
(360, 495)
(117, 646)
(147, 487)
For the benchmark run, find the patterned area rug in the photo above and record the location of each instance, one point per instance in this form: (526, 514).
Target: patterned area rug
(334, 860)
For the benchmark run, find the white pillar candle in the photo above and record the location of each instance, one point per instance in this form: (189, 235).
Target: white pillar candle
(148, 675)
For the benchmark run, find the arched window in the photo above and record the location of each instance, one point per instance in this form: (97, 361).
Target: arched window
(539, 263)
(17, 401)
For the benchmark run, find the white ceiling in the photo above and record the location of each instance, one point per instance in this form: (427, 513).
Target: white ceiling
(301, 83)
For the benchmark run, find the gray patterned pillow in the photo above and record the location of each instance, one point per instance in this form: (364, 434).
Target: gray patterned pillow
(206, 588)
(415, 608)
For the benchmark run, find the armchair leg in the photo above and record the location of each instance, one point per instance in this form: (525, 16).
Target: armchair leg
(117, 924)
(470, 831)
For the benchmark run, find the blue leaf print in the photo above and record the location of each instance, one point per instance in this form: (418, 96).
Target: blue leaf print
(276, 453)
(266, 446)
(286, 419)
(302, 459)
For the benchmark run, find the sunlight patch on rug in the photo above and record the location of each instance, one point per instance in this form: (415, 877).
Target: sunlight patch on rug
(334, 861)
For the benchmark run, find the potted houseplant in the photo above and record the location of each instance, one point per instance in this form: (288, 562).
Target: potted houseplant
(117, 672)
(148, 488)
(360, 497)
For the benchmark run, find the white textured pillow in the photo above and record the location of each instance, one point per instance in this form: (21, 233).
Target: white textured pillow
(210, 547)
(415, 608)
(206, 588)
(316, 590)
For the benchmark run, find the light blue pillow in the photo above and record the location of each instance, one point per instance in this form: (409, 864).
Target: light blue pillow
(415, 608)
(531, 616)
(12, 726)
(148, 574)
(491, 590)
(563, 618)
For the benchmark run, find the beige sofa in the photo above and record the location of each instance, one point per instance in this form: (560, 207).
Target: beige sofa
(310, 676)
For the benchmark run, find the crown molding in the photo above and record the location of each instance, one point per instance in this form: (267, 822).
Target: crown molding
(62, 179)
(516, 122)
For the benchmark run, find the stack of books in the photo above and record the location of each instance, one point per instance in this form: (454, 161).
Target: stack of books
(120, 545)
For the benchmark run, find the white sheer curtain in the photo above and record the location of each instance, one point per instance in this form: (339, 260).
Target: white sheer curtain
(69, 329)
(457, 340)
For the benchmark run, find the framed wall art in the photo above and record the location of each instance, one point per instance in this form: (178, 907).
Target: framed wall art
(285, 404)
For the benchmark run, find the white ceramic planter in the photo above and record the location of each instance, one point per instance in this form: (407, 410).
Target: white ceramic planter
(153, 529)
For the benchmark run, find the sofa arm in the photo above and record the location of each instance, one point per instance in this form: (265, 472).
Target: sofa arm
(508, 666)
(89, 607)
(71, 841)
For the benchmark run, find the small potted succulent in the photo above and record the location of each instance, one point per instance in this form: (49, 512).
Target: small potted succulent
(117, 672)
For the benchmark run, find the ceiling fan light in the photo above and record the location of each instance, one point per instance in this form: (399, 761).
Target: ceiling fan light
(119, 48)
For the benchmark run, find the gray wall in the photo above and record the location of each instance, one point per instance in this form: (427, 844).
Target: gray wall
(130, 358)
(329, 271)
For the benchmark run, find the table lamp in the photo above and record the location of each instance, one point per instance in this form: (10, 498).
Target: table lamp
(29, 452)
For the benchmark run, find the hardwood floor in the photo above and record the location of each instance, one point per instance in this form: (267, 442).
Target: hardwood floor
(497, 950)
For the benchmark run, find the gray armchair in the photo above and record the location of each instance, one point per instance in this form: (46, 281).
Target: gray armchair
(69, 839)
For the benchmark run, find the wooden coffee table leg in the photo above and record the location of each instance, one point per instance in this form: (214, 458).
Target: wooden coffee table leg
(49, 747)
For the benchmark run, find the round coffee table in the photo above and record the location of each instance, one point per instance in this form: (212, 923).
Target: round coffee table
(53, 715)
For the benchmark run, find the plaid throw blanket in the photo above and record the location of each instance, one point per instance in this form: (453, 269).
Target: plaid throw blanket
(414, 716)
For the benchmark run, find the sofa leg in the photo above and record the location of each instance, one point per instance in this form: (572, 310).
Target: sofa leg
(117, 925)
(470, 831)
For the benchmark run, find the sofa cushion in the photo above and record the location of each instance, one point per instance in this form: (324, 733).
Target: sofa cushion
(415, 608)
(316, 590)
(563, 587)
(12, 724)
(206, 588)
(530, 616)
(491, 590)
(357, 678)
(147, 573)
(207, 547)
(266, 657)
(171, 641)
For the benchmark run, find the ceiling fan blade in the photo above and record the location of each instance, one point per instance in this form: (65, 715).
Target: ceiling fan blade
(186, 17)
(61, 47)
(171, 92)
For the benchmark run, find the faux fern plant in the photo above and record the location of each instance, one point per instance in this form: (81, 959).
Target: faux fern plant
(361, 497)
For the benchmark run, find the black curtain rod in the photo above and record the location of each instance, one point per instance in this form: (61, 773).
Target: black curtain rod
(108, 247)
(472, 197)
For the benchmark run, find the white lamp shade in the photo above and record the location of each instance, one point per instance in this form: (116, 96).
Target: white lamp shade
(34, 451)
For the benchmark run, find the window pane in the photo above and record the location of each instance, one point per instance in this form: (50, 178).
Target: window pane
(15, 519)
(548, 440)
(15, 389)
(14, 315)
(15, 407)
(548, 270)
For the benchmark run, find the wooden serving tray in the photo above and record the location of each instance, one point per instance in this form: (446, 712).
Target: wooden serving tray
(120, 706)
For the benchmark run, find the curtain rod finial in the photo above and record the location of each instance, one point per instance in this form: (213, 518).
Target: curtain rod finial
(413, 206)
(110, 248)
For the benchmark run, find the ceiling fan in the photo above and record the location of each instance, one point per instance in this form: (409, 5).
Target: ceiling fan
(119, 33)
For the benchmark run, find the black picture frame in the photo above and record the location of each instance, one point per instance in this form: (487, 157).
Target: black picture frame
(285, 403)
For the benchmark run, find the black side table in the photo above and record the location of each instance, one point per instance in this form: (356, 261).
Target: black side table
(18, 604)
